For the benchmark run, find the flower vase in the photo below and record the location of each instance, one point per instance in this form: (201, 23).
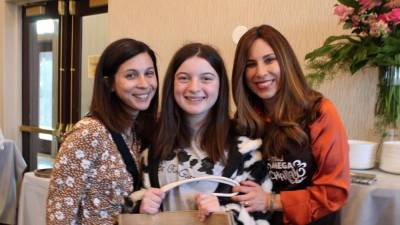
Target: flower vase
(387, 107)
(387, 111)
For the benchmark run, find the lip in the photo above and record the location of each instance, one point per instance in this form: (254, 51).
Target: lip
(265, 83)
(194, 98)
(142, 96)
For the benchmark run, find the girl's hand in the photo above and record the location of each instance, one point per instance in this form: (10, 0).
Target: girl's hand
(206, 204)
(254, 197)
(151, 201)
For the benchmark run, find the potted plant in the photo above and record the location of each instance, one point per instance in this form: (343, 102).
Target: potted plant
(374, 41)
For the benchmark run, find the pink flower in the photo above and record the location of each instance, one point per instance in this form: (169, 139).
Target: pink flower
(369, 19)
(342, 11)
(392, 16)
(369, 4)
(379, 28)
(355, 20)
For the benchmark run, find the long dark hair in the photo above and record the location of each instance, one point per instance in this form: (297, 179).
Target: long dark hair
(106, 105)
(173, 131)
(296, 105)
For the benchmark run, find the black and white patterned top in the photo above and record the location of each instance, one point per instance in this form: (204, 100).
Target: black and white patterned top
(244, 163)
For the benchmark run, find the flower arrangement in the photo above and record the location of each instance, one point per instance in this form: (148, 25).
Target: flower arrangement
(374, 41)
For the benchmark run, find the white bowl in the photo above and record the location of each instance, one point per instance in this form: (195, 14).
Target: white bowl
(362, 154)
(390, 157)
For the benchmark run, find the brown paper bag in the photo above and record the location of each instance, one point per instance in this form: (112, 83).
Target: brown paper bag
(175, 218)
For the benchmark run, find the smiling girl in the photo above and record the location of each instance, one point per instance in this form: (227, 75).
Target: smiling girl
(195, 138)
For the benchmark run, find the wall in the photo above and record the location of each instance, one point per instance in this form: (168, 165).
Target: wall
(2, 5)
(167, 25)
(10, 71)
(94, 40)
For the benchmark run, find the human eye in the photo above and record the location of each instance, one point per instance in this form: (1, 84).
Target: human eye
(208, 77)
(131, 74)
(150, 72)
(269, 59)
(182, 77)
(251, 64)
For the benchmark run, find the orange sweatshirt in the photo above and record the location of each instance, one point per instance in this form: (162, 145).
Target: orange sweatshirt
(331, 180)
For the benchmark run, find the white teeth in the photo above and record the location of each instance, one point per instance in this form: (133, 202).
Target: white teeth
(264, 83)
(270, 80)
(142, 96)
(191, 98)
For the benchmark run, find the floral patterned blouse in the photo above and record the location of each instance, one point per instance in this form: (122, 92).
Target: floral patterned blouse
(89, 180)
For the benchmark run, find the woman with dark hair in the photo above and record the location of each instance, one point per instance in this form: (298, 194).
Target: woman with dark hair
(304, 141)
(195, 138)
(97, 165)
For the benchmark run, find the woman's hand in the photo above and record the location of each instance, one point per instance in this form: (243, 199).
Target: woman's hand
(206, 204)
(254, 197)
(151, 201)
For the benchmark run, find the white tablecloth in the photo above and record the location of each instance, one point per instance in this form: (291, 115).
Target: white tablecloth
(32, 202)
(376, 204)
(12, 165)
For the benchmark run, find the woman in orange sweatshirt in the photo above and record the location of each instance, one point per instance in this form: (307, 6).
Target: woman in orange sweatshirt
(304, 141)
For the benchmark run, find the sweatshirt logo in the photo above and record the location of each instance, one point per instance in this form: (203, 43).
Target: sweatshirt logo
(293, 172)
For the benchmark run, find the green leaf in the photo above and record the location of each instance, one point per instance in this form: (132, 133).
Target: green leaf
(331, 39)
(351, 3)
(355, 66)
(397, 59)
(347, 25)
(373, 50)
(360, 55)
(342, 53)
(319, 52)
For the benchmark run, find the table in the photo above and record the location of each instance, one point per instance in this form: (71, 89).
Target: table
(376, 204)
(32, 202)
(12, 165)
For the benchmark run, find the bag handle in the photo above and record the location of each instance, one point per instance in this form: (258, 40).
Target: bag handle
(138, 195)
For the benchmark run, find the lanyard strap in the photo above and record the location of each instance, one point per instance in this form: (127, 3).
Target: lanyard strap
(128, 159)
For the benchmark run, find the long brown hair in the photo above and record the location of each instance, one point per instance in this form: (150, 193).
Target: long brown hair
(295, 104)
(173, 131)
(106, 105)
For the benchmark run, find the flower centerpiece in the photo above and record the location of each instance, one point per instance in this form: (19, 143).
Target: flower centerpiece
(374, 41)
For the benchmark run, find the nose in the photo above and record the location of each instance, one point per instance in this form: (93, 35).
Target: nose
(194, 85)
(142, 81)
(261, 69)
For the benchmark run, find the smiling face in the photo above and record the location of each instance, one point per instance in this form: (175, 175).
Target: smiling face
(136, 82)
(263, 73)
(196, 87)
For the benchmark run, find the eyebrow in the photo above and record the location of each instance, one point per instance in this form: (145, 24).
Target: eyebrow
(263, 57)
(135, 70)
(206, 73)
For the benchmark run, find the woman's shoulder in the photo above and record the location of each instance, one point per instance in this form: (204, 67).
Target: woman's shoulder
(328, 118)
(89, 122)
(326, 105)
(87, 139)
(327, 109)
(88, 128)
